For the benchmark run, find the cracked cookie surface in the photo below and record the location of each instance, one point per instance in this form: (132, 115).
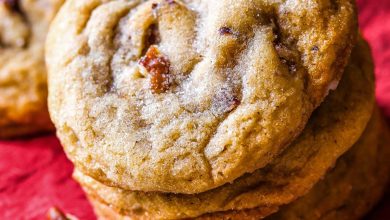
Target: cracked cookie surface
(23, 83)
(185, 96)
(334, 127)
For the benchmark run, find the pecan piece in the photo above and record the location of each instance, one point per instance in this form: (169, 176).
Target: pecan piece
(56, 214)
(157, 66)
(226, 31)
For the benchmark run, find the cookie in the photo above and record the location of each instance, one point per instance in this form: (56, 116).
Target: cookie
(360, 176)
(349, 191)
(331, 131)
(145, 101)
(23, 86)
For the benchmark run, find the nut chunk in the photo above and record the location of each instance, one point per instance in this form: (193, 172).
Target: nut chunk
(56, 214)
(157, 66)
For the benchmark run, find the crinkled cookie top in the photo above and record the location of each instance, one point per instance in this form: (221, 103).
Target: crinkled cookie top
(185, 96)
(331, 131)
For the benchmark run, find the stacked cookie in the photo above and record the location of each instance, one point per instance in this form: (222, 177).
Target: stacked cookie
(218, 109)
(23, 87)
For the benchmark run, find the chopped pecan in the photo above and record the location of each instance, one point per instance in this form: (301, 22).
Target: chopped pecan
(226, 31)
(56, 214)
(157, 66)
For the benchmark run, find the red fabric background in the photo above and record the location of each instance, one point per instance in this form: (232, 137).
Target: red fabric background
(35, 174)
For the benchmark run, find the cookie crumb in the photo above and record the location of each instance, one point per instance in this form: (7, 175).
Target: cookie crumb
(56, 214)
(157, 66)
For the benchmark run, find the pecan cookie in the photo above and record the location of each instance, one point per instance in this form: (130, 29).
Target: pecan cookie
(335, 126)
(348, 191)
(23, 87)
(185, 96)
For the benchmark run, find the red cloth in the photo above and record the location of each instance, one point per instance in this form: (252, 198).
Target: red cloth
(35, 174)
(374, 18)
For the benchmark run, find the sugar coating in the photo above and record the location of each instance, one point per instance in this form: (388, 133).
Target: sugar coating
(243, 80)
(331, 131)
